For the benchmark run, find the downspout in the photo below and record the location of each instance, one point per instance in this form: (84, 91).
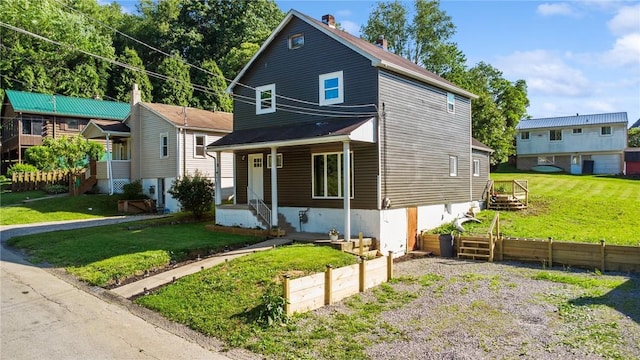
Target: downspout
(109, 170)
(218, 167)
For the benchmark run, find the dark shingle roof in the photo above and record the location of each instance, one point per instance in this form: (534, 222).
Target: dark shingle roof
(35, 103)
(576, 120)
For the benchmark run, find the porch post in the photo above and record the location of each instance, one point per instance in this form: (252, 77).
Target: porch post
(274, 186)
(218, 178)
(109, 171)
(346, 174)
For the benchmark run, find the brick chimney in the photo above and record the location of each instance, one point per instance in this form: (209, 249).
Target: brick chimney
(329, 20)
(381, 42)
(136, 96)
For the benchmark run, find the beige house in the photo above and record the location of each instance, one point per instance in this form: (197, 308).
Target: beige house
(158, 143)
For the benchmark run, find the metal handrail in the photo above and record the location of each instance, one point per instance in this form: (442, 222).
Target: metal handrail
(259, 206)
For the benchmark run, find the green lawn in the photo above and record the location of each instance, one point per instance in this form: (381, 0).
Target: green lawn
(55, 209)
(11, 198)
(574, 208)
(99, 255)
(224, 301)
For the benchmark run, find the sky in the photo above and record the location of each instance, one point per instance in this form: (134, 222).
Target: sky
(576, 56)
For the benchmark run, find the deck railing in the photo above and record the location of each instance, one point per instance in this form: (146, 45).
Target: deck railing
(263, 211)
(517, 189)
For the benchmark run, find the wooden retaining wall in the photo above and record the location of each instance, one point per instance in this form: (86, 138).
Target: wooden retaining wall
(314, 291)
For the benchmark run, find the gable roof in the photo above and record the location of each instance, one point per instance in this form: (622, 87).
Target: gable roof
(101, 128)
(195, 118)
(378, 56)
(636, 124)
(476, 144)
(577, 120)
(35, 103)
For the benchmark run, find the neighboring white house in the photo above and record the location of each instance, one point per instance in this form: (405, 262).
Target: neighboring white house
(158, 143)
(580, 144)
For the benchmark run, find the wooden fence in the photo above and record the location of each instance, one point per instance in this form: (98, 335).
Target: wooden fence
(314, 291)
(38, 180)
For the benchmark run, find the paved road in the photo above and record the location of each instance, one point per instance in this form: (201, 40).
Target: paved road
(45, 317)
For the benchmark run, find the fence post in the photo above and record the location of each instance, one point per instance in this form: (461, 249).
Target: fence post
(550, 252)
(287, 294)
(328, 285)
(363, 276)
(361, 243)
(602, 248)
(390, 266)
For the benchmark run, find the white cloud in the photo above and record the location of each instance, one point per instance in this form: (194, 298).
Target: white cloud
(350, 27)
(626, 21)
(343, 13)
(626, 51)
(546, 73)
(555, 9)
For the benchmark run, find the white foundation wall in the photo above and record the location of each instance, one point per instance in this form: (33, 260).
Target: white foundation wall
(170, 204)
(432, 216)
(320, 220)
(393, 231)
(237, 217)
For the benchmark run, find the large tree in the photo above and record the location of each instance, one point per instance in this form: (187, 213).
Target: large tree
(634, 137)
(175, 88)
(123, 78)
(214, 95)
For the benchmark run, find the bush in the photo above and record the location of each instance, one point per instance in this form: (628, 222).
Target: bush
(133, 191)
(21, 168)
(56, 189)
(195, 193)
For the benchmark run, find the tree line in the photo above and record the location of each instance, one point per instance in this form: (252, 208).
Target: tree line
(100, 50)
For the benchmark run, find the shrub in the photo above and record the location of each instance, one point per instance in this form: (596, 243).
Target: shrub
(21, 168)
(195, 193)
(133, 191)
(56, 189)
(272, 310)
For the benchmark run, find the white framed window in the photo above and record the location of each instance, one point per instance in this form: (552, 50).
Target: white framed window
(331, 89)
(555, 135)
(524, 135)
(605, 130)
(164, 145)
(327, 175)
(198, 145)
(546, 160)
(476, 167)
(453, 166)
(576, 131)
(451, 102)
(296, 41)
(278, 161)
(266, 99)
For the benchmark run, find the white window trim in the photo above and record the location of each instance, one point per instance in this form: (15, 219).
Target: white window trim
(195, 146)
(451, 100)
(476, 167)
(528, 135)
(294, 36)
(552, 157)
(321, 89)
(162, 146)
(259, 91)
(556, 140)
(340, 169)
(610, 131)
(279, 163)
(573, 131)
(453, 165)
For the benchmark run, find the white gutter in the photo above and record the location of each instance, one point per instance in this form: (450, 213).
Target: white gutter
(262, 145)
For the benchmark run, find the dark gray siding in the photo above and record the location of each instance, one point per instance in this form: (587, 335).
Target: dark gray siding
(479, 182)
(418, 136)
(294, 178)
(295, 73)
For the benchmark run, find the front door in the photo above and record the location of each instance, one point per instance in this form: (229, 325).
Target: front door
(256, 176)
(576, 164)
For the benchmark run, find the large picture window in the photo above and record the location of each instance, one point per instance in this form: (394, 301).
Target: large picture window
(328, 176)
(331, 88)
(266, 99)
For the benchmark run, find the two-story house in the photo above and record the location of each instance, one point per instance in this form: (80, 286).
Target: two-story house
(158, 143)
(580, 144)
(29, 117)
(331, 131)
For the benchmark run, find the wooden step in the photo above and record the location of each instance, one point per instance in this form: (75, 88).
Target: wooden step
(473, 248)
(482, 242)
(474, 255)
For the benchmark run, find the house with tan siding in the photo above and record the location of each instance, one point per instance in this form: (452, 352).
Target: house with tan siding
(158, 143)
(331, 131)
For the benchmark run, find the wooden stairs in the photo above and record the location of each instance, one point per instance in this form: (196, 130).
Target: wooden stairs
(510, 195)
(506, 202)
(475, 248)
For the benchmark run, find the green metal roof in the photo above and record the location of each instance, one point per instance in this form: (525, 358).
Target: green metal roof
(34, 103)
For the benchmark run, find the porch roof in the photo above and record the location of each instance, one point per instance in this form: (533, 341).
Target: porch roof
(97, 129)
(318, 132)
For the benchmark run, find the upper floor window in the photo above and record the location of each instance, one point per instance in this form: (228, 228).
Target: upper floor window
(605, 130)
(476, 167)
(266, 99)
(577, 131)
(524, 135)
(296, 41)
(331, 88)
(451, 102)
(199, 150)
(555, 135)
(453, 166)
(164, 145)
(32, 126)
(278, 161)
(72, 124)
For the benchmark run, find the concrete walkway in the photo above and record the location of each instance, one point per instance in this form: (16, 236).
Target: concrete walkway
(166, 277)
